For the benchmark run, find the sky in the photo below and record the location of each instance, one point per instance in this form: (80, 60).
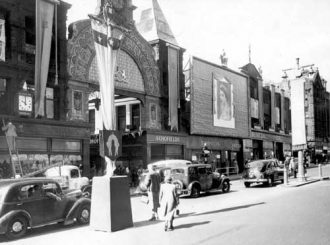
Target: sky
(278, 31)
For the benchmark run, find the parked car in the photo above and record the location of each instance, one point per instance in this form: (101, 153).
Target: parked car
(69, 177)
(266, 171)
(191, 178)
(32, 202)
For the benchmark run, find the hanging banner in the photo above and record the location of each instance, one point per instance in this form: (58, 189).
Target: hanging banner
(173, 80)
(2, 40)
(106, 62)
(44, 26)
(110, 144)
(298, 112)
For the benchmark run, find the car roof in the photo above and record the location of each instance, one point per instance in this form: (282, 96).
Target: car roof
(9, 182)
(173, 163)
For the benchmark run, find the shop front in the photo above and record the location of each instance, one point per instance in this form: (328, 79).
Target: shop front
(225, 154)
(40, 145)
(165, 146)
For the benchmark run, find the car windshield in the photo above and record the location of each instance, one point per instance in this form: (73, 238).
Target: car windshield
(257, 164)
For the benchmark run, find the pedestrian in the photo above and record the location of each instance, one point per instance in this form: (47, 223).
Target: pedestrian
(152, 182)
(293, 167)
(169, 200)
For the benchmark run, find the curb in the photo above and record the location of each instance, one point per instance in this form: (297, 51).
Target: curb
(297, 184)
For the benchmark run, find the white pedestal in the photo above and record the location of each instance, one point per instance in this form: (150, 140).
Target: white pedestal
(111, 204)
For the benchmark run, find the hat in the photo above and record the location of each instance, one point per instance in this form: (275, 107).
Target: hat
(168, 178)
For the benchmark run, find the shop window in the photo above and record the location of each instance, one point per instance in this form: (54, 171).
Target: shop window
(121, 118)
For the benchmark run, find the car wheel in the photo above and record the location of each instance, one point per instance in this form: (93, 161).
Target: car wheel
(84, 214)
(247, 184)
(225, 186)
(195, 191)
(17, 227)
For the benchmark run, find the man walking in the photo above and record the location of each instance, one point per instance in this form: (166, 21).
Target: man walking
(153, 188)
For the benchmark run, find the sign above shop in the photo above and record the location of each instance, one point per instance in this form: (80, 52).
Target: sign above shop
(166, 139)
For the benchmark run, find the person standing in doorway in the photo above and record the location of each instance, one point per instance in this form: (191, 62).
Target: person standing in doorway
(153, 188)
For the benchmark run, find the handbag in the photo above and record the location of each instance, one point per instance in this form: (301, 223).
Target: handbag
(144, 199)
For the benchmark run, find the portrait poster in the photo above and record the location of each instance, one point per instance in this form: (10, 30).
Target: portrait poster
(153, 114)
(77, 104)
(223, 107)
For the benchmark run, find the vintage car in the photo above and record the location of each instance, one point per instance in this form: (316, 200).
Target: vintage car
(31, 202)
(266, 171)
(190, 178)
(69, 177)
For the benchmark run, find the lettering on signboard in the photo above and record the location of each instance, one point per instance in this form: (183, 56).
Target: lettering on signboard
(171, 139)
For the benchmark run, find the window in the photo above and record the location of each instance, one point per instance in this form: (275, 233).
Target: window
(135, 116)
(202, 170)
(254, 89)
(121, 117)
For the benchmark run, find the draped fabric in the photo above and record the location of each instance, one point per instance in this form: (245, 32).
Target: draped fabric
(173, 80)
(106, 63)
(2, 40)
(44, 24)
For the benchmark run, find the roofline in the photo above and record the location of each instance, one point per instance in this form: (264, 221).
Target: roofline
(221, 67)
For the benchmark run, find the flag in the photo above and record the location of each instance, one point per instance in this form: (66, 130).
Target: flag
(106, 57)
(44, 24)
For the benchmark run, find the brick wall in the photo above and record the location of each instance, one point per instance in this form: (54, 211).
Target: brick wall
(202, 104)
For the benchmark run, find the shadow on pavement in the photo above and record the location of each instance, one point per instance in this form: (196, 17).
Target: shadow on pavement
(190, 225)
(230, 209)
(147, 222)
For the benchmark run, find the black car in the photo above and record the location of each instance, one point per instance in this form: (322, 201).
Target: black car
(266, 171)
(190, 178)
(36, 202)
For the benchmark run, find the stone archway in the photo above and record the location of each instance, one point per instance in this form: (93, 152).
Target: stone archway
(81, 54)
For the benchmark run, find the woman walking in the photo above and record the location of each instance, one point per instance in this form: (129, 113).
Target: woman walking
(169, 200)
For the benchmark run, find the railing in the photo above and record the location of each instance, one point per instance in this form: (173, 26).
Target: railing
(228, 170)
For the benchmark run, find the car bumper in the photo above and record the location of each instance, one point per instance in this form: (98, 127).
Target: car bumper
(255, 180)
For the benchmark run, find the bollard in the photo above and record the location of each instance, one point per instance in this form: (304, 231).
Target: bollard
(320, 171)
(285, 176)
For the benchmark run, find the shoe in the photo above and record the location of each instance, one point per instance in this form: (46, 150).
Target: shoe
(171, 228)
(152, 219)
(165, 228)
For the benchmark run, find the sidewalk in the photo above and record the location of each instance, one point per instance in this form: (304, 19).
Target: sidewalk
(312, 176)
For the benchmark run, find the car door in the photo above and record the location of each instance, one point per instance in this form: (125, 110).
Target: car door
(202, 177)
(33, 203)
(56, 208)
(209, 178)
(279, 171)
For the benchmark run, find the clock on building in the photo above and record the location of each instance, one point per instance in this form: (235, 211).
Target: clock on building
(25, 103)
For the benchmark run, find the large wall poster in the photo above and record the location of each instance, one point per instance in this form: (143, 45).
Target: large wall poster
(223, 105)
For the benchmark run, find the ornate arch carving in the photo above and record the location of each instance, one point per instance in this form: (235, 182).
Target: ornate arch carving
(81, 53)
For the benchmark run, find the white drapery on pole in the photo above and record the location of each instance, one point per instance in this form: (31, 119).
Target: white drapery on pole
(106, 63)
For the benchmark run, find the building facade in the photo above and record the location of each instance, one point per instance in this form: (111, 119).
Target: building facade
(270, 118)
(316, 118)
(42, 140)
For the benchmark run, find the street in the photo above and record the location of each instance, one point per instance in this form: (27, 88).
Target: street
(255, 215)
